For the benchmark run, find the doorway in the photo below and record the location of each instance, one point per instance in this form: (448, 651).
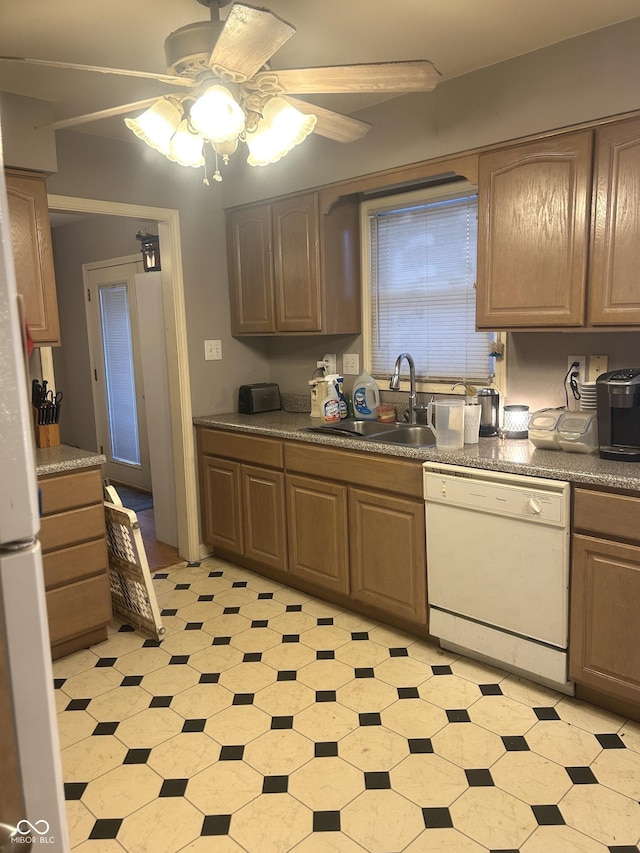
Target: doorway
(172, 284)
(112, 323)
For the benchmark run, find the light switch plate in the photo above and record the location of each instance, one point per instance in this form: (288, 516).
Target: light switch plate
(597, 364)
(351, 363)
(212, 350)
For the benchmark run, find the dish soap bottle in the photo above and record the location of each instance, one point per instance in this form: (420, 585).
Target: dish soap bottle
(344, 409)
(366, 397)
(330, 406)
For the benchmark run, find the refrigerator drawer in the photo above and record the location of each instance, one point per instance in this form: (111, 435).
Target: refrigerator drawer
(78, 608)
(62, 492)
(67, 565)
(69, 528)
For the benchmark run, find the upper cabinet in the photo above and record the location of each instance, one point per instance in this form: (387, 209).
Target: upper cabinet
(559, 230)
(33, 254)
(533, 208)
(293, 269)
(614, 295)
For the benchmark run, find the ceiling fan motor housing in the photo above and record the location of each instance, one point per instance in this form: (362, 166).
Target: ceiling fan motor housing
(188, 49)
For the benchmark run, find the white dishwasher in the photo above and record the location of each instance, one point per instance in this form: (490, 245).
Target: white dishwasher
(498, 568)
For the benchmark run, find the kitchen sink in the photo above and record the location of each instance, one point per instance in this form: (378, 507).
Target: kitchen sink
(417, 435)
(356, 429)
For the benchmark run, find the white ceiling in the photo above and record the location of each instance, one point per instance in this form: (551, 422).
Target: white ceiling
(458, 36)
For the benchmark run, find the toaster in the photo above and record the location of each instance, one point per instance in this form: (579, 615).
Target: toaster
(259, 397)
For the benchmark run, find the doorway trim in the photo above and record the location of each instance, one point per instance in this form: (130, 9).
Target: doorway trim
(177, 353)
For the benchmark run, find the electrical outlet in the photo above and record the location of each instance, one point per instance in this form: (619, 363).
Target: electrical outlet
(212, 350)
(331, 362)
(597, 364)
(351, 363)
(582, 366)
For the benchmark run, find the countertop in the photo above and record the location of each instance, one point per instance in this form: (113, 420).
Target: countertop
(494, 454)
(60, 459)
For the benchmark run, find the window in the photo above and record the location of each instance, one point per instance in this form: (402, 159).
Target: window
(120, 382)
(420, 271)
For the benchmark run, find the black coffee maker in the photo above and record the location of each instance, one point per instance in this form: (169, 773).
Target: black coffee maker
(618, 405)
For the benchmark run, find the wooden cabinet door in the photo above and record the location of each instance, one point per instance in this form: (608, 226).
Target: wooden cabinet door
(249, 250)
(222, 504)
(614, 295)
(318, 531)
(264, 516)
(605, 629)
(388, 554)
(533, 209)
(297, 264)
(33, 254)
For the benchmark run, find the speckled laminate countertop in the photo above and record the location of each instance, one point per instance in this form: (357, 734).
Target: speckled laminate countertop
(494, 454)
(60, 459)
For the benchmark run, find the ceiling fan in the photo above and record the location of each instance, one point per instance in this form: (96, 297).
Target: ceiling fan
(233, 95)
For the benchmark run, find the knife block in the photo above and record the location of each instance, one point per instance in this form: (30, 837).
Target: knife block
(46, 435)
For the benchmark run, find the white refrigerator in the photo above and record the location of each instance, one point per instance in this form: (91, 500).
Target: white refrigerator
(24, 629)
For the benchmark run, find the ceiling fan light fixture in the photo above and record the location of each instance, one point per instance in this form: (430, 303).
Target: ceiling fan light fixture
(158, 124)
(186, 146)
(281, 128)
(217, 116)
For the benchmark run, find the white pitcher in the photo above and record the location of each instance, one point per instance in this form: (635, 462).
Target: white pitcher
(446, 419)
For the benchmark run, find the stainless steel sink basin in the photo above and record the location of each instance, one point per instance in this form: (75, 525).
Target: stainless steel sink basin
(417, 435)
(356, 429)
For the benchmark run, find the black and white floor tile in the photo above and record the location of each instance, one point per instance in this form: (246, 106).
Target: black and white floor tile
(268, 721)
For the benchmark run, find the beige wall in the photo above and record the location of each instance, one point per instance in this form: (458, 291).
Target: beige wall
(589, 77)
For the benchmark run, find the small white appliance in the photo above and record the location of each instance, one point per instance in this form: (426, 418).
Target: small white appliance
(23, 612)
(498, 568)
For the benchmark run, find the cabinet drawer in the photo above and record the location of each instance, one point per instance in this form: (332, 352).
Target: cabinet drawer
(72, 527)
(612, 516)
(71, 564)
(245, 448)
(78, 608)
(70, 490)
(358, 469)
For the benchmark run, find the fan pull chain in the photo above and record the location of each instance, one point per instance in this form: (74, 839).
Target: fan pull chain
(216, 175)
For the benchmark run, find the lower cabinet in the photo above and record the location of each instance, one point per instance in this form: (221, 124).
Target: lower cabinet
(75, 560)
(346, 523)
(605, 595)
(388, 559)
(318, 534)
(243, 505)
(605, 629)
(264, 516)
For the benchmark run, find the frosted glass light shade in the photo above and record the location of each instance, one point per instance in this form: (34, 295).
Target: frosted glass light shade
(516, 421)
(217, 116)
(157, 125)
(185, 147)
(281, 128)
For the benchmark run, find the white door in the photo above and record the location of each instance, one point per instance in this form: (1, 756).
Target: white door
(112, 321)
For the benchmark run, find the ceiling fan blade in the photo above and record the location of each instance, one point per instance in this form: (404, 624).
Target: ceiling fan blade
(249, 38)
(417, 75)
(125, 72)
(109, 113)
(332, 125)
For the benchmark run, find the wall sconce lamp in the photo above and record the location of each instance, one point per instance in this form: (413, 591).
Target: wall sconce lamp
(516, 421)
(150, 248)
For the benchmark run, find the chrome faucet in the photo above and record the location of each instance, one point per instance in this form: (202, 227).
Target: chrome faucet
(394, 383)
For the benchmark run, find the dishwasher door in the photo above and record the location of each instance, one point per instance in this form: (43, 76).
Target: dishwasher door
(497, 562)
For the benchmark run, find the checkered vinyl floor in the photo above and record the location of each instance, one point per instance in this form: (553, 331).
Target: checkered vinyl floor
(268, 721)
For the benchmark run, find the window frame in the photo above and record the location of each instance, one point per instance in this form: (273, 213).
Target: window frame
(399, 200)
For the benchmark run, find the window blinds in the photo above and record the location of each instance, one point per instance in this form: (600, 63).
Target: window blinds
(423, 270)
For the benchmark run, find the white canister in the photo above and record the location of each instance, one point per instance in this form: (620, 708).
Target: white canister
(472, 412)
